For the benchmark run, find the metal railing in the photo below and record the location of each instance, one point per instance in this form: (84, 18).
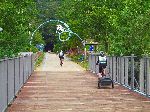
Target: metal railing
(129, 71)
(14, 72)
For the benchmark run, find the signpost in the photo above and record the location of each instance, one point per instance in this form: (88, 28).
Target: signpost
(93, 46)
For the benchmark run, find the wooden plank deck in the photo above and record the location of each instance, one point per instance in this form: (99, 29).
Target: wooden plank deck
(70, 88)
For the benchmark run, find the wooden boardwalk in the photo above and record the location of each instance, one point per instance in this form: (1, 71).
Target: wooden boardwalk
(70, 88)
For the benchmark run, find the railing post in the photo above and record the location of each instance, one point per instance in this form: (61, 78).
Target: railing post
(33, 56)
(112, 76)
(117, 70)
(14, 74)
(97, 67)
(141, 77)
(23, 58)
(114, 68)
(93, 66)
(110, 65)
(132, 71)
(94, 63)
(19, 71)
(147, 73)
(126, 70)
(89, 62)
(6, 58)
(122, 70)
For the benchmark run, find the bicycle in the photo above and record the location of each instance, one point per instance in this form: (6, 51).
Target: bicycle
(61, 57)
(61, 62)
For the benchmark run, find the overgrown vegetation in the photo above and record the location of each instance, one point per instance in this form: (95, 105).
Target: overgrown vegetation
(79, 59)
(39, 60)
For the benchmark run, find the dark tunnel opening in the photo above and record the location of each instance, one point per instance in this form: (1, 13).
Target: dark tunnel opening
(49, 47)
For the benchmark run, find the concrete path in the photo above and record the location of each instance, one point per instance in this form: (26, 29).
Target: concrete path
(70, 88)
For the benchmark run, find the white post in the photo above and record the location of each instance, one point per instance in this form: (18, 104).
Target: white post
(85, 53)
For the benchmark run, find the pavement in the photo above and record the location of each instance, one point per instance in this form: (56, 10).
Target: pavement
(70, 88)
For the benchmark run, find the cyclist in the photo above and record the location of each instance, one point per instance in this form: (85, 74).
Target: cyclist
(102, 62)
(61, 57)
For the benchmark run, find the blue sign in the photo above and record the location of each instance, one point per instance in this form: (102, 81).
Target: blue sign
(91, 48)
(40, 47)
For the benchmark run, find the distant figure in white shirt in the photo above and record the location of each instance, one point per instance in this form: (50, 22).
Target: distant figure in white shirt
(61, 57)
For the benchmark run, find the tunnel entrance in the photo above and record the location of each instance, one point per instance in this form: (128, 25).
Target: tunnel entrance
(49, 47)
(49, 41)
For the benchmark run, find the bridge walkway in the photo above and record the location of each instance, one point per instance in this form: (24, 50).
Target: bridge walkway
(52, 88)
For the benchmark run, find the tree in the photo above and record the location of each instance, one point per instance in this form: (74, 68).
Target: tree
(16, 16)
(120, 26)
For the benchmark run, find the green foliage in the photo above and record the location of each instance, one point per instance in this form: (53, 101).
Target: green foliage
(120, 26)
(79, 59)
(38, 39)
(16, 19)
(39, 60)
(57, 48)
